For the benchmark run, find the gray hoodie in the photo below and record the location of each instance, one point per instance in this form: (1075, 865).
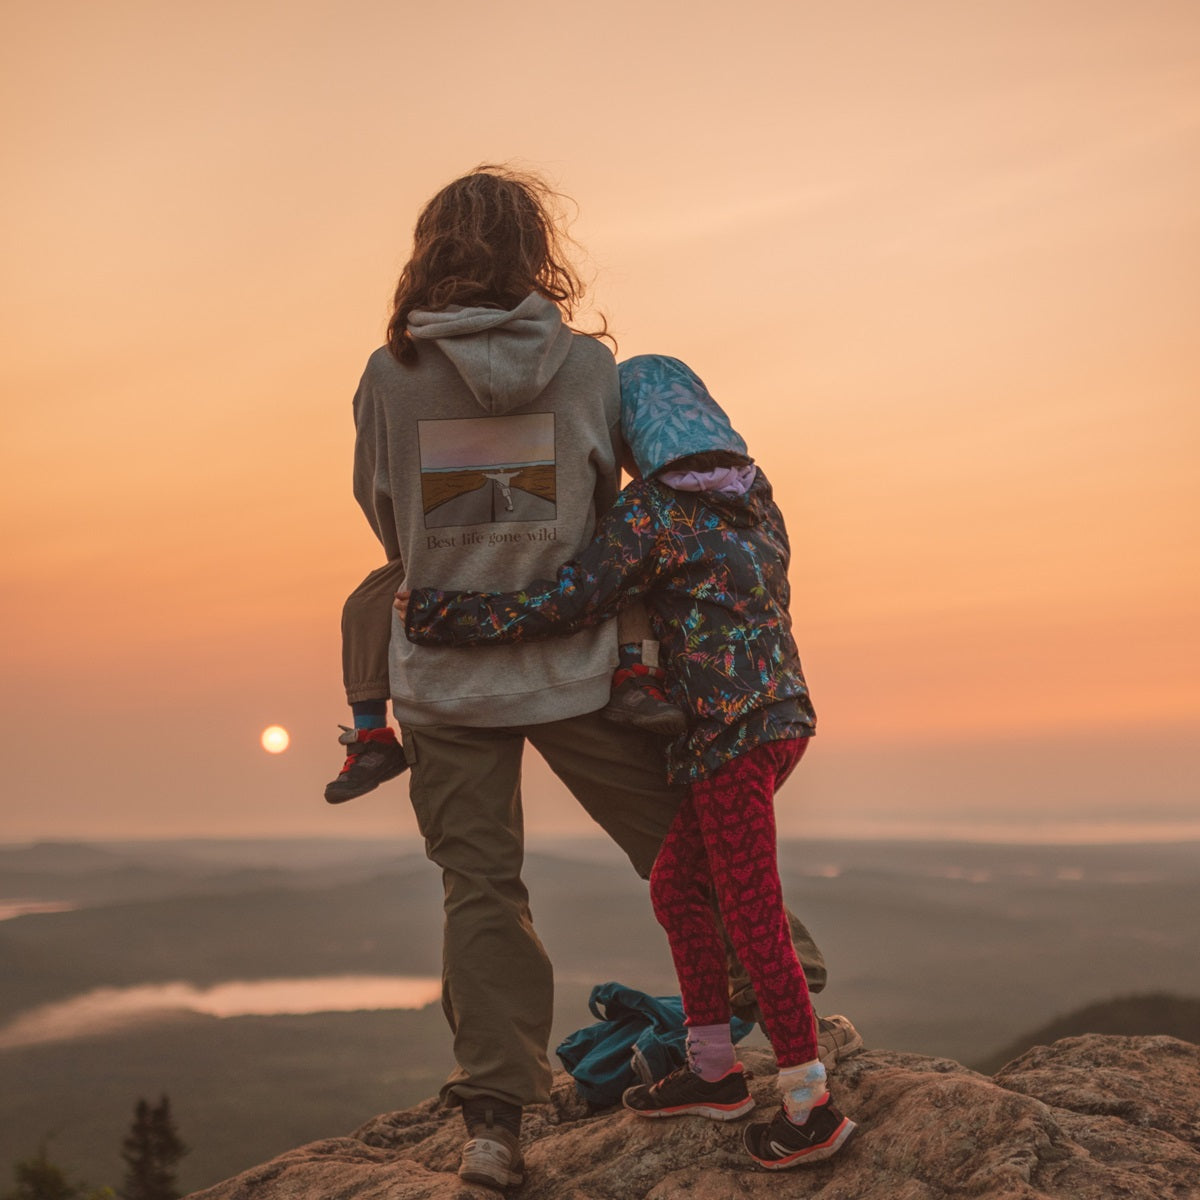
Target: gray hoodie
(482, 466)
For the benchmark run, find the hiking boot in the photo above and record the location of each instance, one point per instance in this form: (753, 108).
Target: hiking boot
(836, 1039)
(780, 1144)
(493, 1157)
(373, 756)
(684, 1093)
(638, 699)
(492, 1154)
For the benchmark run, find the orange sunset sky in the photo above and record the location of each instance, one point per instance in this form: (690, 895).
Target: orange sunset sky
(939, 259)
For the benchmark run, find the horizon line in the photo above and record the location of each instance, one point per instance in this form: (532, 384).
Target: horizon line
(1170, 836)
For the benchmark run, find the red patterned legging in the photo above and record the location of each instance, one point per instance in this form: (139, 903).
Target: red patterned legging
(723, 841)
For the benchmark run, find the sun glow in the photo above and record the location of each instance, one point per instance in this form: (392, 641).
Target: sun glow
(275, 739)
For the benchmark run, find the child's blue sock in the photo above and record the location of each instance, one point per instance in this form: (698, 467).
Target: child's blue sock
(369, 714)
(802, 1087)
(638, 654)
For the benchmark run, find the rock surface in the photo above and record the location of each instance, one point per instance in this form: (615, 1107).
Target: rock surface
(1089, 1118)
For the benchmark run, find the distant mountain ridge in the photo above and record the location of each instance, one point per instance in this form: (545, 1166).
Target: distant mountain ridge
(1124, 1016)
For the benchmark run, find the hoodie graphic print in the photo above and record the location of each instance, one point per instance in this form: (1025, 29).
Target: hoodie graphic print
(481, 470)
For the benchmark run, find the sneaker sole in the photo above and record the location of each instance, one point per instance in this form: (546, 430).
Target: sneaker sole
(337, 798)
(664, 726)
(811, 1154)
(713, 1112)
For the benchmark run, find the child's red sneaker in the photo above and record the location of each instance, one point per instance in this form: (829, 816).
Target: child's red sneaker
(373, 756)
(638, 699)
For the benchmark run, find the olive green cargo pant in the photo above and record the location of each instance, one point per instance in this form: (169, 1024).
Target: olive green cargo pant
(497, 982)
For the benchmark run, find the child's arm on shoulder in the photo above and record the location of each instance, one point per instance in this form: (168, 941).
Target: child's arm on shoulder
(618, 566)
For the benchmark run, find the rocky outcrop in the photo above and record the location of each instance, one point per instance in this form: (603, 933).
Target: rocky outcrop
(1089, 1118)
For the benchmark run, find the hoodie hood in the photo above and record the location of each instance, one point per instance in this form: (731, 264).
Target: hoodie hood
(505, 357)
(667, 413)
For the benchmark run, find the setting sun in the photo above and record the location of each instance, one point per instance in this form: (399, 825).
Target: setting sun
(275, 739)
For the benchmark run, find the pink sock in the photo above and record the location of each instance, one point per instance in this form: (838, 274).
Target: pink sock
(710, 1050)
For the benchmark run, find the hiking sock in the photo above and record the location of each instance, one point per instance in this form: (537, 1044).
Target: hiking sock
(710, 1051)
(629, 654)
(801, 1087)
(633, 654)
(369, 714)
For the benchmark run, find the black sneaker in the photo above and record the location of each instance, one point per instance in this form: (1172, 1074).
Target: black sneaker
(780, 1144)
(638, 699)
(684, 1093)
(373, 756)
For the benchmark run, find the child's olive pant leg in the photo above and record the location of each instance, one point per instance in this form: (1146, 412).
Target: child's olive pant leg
(633, 624)
(366, 633)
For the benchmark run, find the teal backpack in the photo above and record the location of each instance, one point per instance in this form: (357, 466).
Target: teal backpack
(637, 1039)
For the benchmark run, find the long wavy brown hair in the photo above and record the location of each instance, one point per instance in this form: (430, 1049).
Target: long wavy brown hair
(489, 238)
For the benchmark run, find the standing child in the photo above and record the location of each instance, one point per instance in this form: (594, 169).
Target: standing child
(700, 539)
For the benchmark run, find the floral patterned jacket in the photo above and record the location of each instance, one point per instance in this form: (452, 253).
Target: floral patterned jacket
(712, 569)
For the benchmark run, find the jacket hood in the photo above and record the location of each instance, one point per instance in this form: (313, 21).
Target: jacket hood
(505, 357)
(743, 511)
(667, 413)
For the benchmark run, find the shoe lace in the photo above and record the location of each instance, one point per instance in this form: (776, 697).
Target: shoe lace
(679, 1074)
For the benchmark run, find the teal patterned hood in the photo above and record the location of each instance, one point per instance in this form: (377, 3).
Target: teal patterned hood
(667, 413)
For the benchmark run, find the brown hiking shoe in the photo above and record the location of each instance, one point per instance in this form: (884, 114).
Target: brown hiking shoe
(492, 1154)
(493, 1157)
(836, 1039)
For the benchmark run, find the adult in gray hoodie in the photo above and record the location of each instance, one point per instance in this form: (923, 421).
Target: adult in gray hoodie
(487, 445)
(488, 437)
